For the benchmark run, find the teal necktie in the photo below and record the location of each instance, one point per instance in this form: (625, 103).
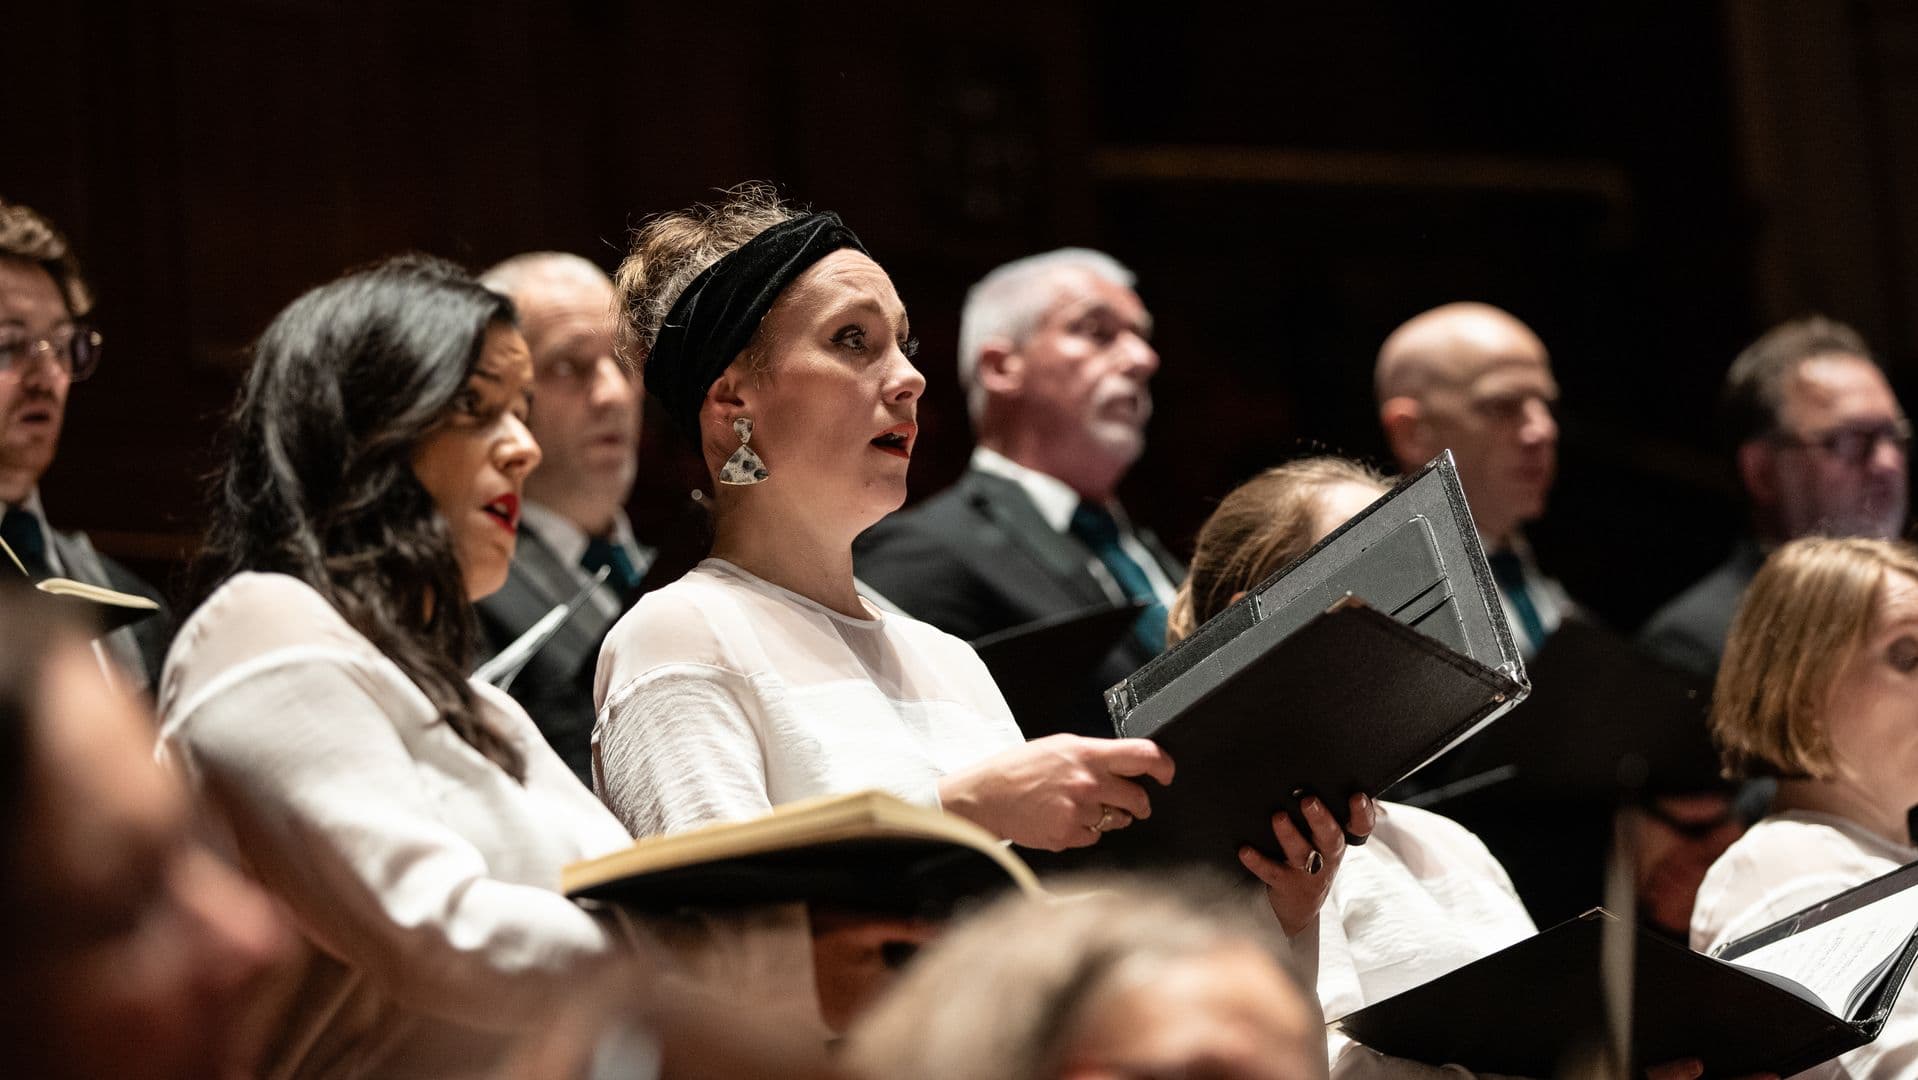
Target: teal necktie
(602, 551)
(1509, 571)
(20, 528)
(1100, 530)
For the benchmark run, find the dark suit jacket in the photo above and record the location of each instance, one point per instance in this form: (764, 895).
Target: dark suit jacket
(139, 648)
(1689, 633)
(556, 686)
(978, 558)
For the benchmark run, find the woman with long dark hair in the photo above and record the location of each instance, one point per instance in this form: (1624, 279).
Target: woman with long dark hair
(411, 821)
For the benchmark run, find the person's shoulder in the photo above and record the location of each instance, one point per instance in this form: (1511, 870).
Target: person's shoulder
(277, 605)
(1782, 864)
(926, 638)
(1409, 831)
(253, 614)
(254, 621)
(1788, 840)
(680, 623)
(1704, 608)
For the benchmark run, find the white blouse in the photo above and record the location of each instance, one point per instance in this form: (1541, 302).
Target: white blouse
(1420, 898)
(425, 875)
(1788, 862)
(722, 695)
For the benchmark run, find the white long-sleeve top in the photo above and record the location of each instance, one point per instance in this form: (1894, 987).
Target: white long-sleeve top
(722, 695)
(425, 876)
(1422, 897)
(1786, 863)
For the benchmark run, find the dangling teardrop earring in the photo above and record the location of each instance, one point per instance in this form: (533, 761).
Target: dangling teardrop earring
(744, 467)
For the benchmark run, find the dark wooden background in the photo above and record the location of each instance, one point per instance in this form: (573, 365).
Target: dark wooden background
(1648, 185)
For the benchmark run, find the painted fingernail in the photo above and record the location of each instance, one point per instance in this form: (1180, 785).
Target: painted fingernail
(1314, 863)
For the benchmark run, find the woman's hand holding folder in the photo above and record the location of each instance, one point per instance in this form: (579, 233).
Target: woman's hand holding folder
(1062, 791)
(1297, 887)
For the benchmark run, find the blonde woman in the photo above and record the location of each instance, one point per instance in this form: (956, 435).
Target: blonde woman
(1819, 689)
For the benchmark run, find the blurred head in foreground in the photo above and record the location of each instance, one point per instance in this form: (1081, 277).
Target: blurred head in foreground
(129, 949)
(1130, 979)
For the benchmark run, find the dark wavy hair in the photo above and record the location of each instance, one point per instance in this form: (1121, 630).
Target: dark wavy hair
(319, 480)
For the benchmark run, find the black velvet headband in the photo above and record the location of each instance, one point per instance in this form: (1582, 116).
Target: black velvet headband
(715, 318)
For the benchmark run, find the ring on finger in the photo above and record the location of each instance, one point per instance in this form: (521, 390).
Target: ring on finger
(1314, 863)
(1105, 819)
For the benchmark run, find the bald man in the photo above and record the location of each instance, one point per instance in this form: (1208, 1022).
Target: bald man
(586, 416)
(1473, 379)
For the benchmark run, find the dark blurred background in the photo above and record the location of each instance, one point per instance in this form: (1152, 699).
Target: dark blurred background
(1648, 185)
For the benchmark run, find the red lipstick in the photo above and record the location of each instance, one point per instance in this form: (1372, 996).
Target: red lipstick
(505, 510)
(897, 440)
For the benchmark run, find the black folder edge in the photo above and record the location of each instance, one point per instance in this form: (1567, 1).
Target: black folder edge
(1878, 1004)
(1844, 1034)
(1132, 848)
(1505, 692)
(1485, 588)
(1094, 621)
(1122, 698)
(1068, 647)
(1656, 713)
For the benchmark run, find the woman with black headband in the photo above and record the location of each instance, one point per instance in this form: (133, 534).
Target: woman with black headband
(762, 676)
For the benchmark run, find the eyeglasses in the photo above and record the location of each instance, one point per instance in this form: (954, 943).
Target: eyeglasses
(75, 350)
(1854, 445)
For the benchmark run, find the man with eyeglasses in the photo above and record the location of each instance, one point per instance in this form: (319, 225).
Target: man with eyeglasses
(46, 347)
(1821, 449)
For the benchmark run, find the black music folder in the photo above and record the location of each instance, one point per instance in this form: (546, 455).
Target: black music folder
(1042, 666)
(1602, 714)
(1346, 671)
(1781, 1000)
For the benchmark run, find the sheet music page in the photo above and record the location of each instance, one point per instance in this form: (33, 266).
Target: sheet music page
(1835, 960)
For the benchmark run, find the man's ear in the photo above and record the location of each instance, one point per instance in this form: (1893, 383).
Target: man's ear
(1756, 462)
(1002, 370)
(1405, 432)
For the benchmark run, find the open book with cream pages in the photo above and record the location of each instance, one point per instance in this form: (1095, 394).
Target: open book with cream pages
(103, 609)
(866, 850)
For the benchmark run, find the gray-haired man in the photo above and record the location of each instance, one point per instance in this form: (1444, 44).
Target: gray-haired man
(1055, 358)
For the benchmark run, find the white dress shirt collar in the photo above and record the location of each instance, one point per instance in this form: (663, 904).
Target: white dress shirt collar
(1054, 499)
(569, 541)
